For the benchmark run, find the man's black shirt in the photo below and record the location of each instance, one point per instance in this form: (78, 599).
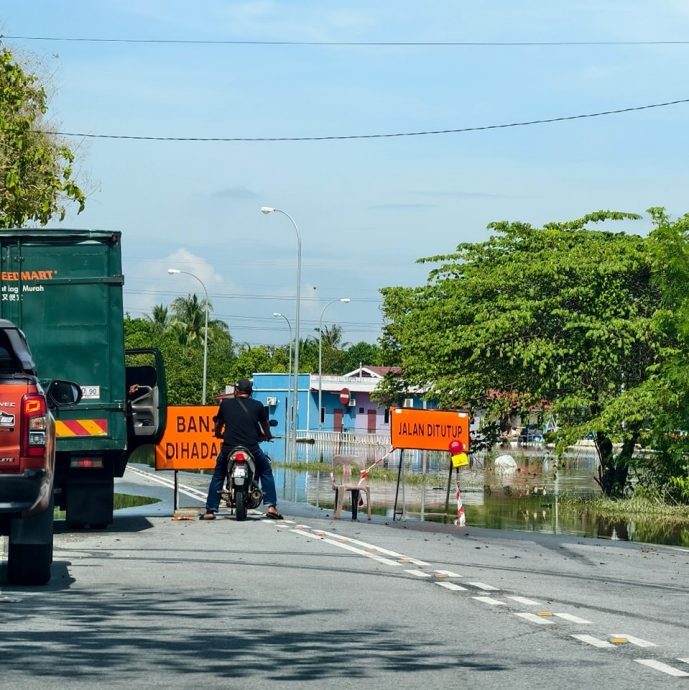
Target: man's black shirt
(243, 428)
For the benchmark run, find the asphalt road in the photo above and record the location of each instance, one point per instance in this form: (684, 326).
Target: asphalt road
(316, 603)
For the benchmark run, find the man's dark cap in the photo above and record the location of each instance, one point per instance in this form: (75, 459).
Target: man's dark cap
(244, 386)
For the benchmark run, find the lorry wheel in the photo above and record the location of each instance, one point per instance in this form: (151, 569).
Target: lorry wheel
(240, 500)
(28, 564)
(89, 502)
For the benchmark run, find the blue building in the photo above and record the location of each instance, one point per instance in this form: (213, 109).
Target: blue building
(346, 402)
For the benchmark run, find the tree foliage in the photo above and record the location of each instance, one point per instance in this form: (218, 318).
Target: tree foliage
(184, 361)
(560, 318)
(36, 173)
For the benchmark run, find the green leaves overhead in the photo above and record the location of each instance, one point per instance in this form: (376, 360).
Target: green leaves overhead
(36, 174)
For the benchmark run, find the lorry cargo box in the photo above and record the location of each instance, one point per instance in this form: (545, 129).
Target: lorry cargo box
(63, 288)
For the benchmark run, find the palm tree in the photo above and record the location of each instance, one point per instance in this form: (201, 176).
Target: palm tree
(159, 317)
(332, 337)
(189, 318)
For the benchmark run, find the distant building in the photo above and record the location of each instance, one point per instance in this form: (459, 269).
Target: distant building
(346, 401)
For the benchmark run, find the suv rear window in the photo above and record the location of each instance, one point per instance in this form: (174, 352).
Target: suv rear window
(9, 362)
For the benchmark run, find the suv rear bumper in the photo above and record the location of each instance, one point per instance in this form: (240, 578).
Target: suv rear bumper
(21, 492)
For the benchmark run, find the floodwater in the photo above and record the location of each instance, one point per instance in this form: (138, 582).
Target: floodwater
(526, 497)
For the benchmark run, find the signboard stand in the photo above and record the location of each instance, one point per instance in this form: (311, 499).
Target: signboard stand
(395, 512)
(415, 429)
(447, 495)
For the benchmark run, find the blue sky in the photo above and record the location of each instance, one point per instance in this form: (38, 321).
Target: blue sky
(366, 209)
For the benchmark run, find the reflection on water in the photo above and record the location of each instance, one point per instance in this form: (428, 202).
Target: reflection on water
(523, 498)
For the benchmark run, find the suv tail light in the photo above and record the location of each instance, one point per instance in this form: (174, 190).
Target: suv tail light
(34, 414)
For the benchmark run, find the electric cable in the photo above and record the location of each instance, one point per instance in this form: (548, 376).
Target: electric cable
(459, 130)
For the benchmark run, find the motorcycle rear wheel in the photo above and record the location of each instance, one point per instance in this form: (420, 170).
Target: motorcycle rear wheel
(240, 504)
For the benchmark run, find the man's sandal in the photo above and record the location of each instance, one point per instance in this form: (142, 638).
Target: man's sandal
(207, 516)
(273, 514)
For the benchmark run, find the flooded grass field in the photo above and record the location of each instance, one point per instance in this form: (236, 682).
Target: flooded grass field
(536, 495)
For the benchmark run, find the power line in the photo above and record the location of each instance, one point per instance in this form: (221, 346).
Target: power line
(383, 44)
(242, 296)
(460, 130)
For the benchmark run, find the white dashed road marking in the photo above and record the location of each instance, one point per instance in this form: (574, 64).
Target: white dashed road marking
(486, 588)
(417, 573)
(533, 618)
(634, 640)
(572, 619)
(525, 601)
(490, 601)
(451, 586)
(371, 551)
(664, 668)
(594, 641)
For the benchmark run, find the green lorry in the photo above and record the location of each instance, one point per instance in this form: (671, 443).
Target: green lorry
(63, 289)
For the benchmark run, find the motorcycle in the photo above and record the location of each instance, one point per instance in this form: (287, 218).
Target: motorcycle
(242, 492)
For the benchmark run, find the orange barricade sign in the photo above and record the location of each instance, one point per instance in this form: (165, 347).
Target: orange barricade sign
(427, 429)
(188, 443)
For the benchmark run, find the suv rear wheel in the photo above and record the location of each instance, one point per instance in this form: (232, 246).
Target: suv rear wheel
(29, 557)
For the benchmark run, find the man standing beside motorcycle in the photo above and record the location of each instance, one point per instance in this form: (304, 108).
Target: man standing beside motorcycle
(242, 421)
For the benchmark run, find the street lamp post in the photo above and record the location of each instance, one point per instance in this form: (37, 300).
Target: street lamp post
(344, 300)
(175, 271)
(295, 401)
(289, 372)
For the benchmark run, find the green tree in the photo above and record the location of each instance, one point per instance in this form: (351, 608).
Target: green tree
(560, 316)
(331, 346)
(260, 358)
(36, 174)
(183, 356)
(361, 353)
(666, 470)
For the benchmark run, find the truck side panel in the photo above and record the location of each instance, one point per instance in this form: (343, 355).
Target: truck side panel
(64, 290)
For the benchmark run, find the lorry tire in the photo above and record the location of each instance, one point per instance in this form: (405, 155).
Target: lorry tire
(30, 549)
(89, 502)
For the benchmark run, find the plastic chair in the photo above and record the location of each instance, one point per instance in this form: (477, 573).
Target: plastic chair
(344, 482)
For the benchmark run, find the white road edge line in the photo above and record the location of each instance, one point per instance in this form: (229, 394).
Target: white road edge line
(417, 573)
(360, 552)
(663, 668)
(186, 490)
(387, 552)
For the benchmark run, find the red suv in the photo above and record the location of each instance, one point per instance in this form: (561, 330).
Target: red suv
(27, 458)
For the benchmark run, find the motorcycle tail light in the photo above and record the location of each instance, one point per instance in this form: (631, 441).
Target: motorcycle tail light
(239, 457)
